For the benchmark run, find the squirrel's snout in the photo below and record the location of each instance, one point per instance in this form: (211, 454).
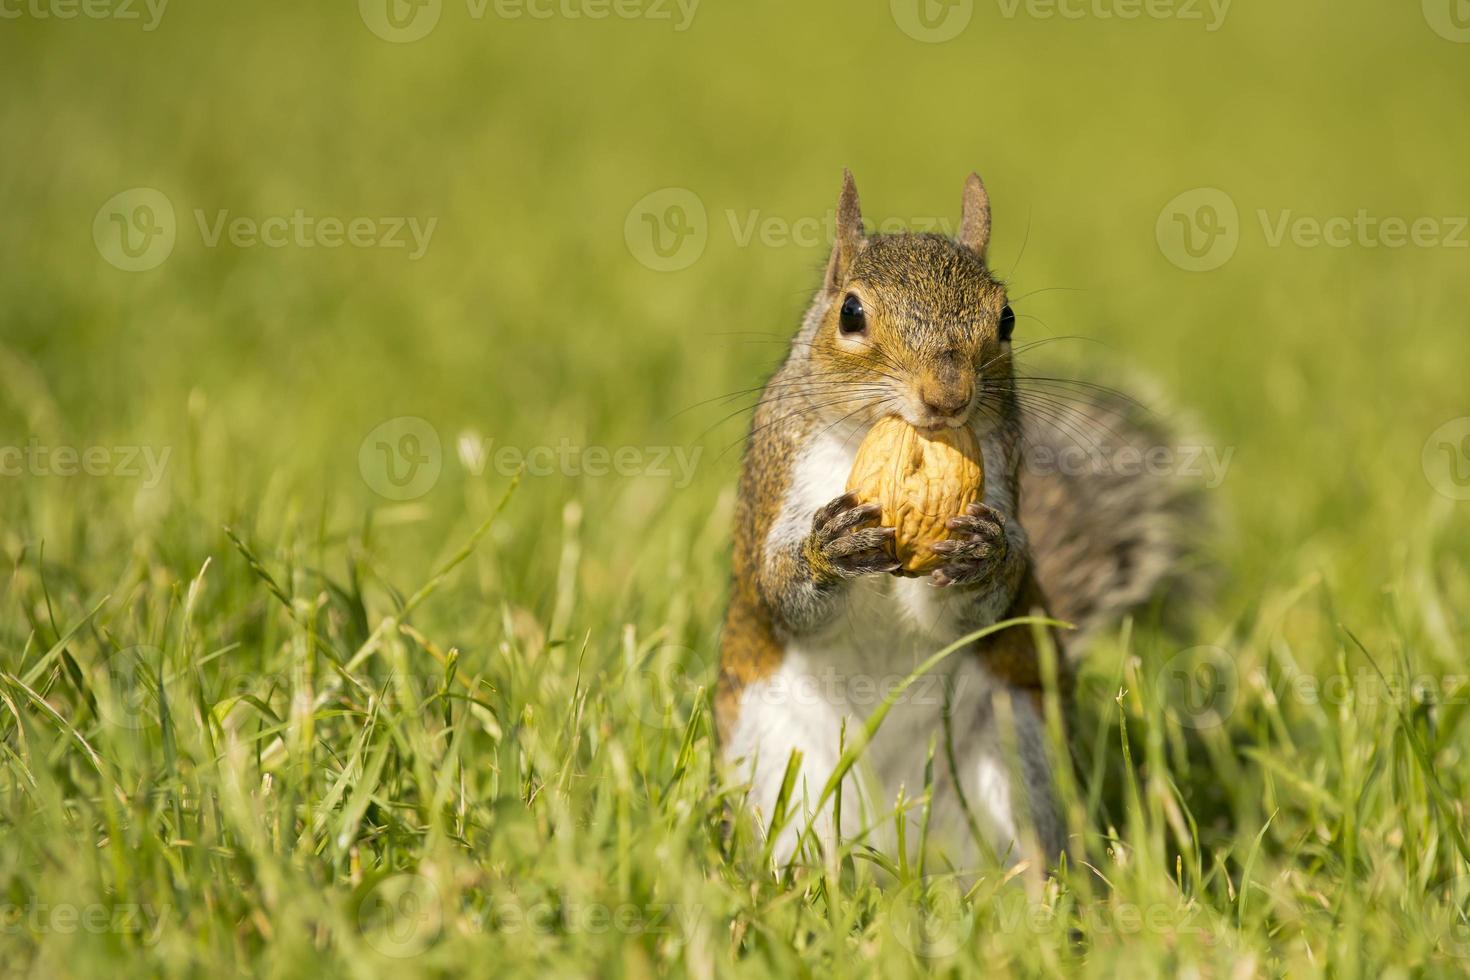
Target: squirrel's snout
(947, 404)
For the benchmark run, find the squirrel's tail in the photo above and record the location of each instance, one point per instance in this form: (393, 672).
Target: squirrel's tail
(1114, 507)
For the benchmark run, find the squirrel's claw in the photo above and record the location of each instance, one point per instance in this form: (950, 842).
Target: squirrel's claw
(977, 550)
(847, 540)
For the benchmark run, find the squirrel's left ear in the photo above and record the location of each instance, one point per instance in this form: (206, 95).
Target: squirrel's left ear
(975, 216)
(850, 239)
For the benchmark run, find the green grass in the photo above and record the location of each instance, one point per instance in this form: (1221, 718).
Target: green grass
(257, 718)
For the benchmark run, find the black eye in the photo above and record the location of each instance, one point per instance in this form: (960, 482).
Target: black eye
(1007, 323)
(851, 319)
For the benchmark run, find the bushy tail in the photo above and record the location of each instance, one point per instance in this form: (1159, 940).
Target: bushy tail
(1113, 503)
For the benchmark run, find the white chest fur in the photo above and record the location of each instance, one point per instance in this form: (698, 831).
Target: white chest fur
(884, 628)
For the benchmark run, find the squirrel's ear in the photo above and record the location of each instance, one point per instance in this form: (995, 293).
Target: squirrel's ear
(975, 216)
(849, 233)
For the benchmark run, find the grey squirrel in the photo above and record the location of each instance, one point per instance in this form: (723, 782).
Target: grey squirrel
(820, 621)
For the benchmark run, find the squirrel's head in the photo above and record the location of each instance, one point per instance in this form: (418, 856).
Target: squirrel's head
(913, 324)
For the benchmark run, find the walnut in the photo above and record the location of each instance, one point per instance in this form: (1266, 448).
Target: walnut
(921, 478)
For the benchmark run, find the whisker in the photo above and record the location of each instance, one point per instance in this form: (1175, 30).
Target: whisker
(803, 413)
(1060, 412)
(746, 408)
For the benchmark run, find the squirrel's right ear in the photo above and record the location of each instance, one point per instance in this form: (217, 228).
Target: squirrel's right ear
(975, 216)
(849, 233)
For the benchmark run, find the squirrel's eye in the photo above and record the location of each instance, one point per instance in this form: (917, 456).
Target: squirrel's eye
(1007, 323)
(851, 319)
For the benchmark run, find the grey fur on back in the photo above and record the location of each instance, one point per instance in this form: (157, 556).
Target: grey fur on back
(1108, 536)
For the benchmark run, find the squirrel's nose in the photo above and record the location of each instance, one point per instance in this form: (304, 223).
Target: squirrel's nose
(947, 401)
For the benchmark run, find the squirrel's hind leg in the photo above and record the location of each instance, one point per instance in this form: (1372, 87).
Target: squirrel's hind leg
(772, 723)
(1005, 774)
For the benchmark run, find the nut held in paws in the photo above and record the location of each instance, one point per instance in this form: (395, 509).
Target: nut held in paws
(921, 478)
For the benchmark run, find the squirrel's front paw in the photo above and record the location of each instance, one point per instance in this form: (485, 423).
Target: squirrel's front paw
(977, 551)
(847, 541)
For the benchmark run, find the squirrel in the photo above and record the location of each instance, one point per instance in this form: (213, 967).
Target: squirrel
(821, 620)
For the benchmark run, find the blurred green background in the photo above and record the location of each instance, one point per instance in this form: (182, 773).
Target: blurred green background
(629, 214)
(529, 319)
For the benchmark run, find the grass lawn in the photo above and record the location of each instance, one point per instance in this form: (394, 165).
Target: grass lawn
(299, 678)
